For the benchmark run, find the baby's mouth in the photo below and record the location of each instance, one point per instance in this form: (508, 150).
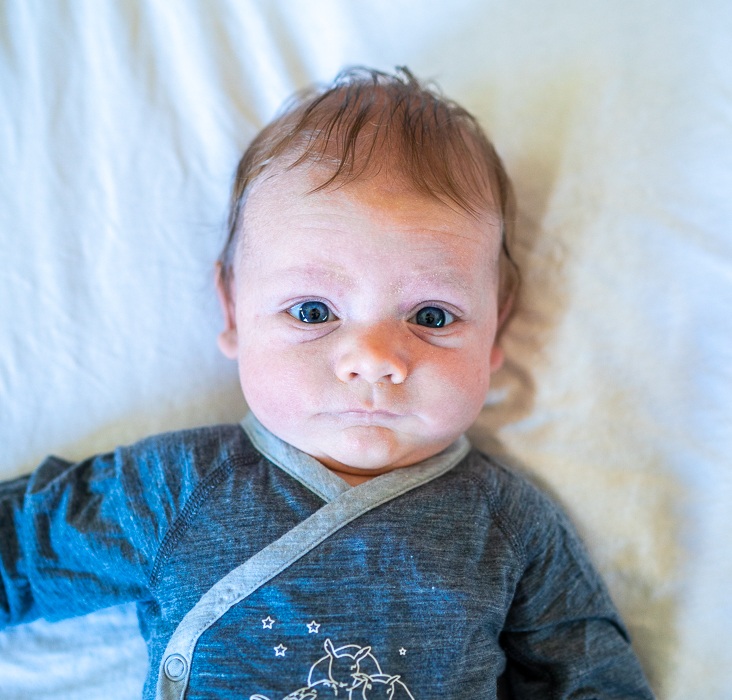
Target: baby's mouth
(368, 416)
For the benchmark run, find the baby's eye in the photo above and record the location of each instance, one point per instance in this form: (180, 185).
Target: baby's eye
(433, 317)
(311, 312)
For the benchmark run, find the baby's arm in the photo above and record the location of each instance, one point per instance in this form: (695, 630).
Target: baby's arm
(16, 603)
(563, 636)
(73, 538)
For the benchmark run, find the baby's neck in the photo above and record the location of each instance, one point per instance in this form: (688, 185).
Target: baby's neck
(352, 479)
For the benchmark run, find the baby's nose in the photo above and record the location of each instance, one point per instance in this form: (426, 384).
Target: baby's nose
(374, 355)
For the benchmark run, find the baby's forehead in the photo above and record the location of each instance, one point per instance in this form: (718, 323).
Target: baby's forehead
(306, 187)
(285, 187)
(290, 215)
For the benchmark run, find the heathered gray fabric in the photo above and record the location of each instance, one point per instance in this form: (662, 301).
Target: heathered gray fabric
(432, 594)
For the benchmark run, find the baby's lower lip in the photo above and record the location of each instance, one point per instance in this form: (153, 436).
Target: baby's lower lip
(368, 412)
(366, 415)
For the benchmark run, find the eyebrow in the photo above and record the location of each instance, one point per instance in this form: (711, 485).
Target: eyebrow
(315, 272)
(444, 278)
(437, 277)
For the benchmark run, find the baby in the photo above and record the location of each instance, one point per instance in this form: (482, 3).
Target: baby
(344, 541)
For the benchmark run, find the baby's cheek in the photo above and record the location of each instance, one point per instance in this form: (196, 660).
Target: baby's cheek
(277, 384)
(459, 390)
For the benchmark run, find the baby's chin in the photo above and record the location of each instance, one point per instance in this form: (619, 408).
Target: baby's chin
(370, 451)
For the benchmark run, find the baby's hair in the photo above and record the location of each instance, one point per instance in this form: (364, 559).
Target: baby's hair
(367, 122)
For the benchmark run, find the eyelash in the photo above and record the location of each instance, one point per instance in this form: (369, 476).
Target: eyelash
(314, 309)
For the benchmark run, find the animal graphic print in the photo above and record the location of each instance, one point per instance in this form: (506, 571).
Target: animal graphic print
(350, 672)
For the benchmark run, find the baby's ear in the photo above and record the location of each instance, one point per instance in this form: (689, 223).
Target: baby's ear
(497, 357)
(504, 313)
(228, 339)
(505, 310)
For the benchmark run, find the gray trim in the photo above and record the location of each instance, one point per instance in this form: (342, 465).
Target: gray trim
(306, 469)
(238, 584)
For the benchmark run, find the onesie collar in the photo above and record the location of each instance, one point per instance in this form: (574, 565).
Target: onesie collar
(318, 478)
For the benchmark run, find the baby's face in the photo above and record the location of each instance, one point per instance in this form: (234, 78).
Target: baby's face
(363, 320)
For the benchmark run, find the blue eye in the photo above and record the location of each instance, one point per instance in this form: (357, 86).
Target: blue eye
(433, 317)
(311, 312)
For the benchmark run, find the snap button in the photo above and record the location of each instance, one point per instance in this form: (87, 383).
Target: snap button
(175, 667)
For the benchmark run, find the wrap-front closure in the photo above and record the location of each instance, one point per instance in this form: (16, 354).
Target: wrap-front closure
(340, 510)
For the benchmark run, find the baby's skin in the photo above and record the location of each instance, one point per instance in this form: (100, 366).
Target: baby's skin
(363, 318)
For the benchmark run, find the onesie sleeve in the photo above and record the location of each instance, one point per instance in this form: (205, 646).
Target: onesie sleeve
(80, 537)
(563, 636)
(15, 593)
(73, 538)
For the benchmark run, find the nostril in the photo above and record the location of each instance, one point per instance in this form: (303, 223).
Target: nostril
(376, 378)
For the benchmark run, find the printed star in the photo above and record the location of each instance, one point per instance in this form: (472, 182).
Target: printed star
(280, 650)
(267, 623)
(402, 652)
(313, 627)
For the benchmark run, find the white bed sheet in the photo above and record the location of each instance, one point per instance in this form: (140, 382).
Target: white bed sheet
(120, 125)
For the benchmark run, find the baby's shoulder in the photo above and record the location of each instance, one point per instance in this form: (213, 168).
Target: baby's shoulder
(199, 450)
(514, 498)
(501, 481)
